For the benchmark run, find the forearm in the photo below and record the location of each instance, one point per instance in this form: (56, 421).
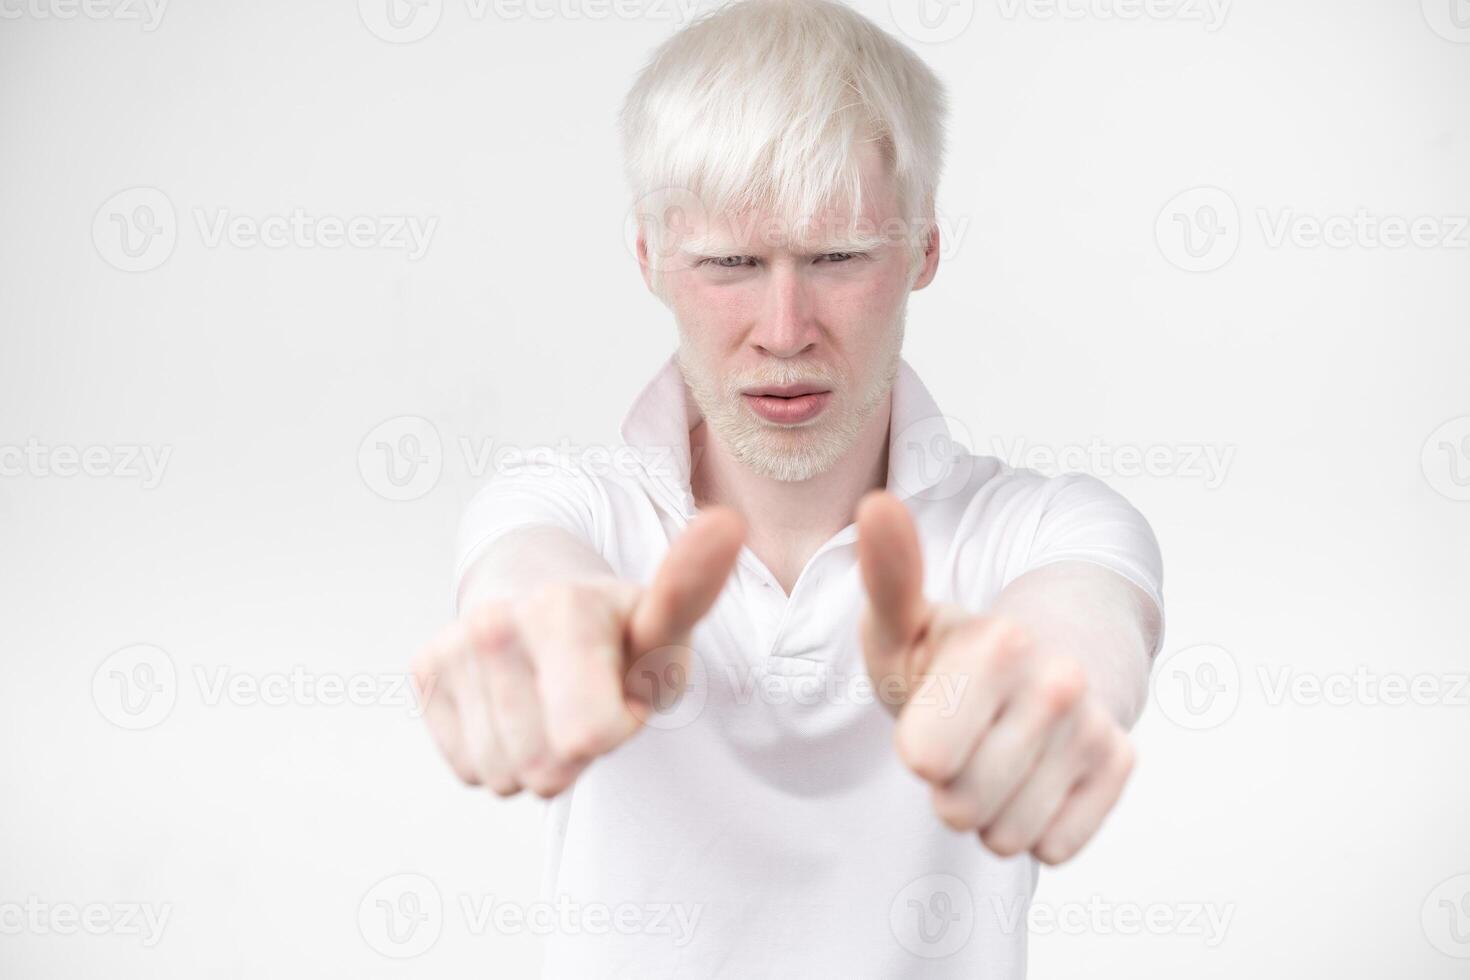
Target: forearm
(525, 559)
(1097, 617)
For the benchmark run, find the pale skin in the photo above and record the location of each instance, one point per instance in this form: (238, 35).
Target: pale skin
(539, 674)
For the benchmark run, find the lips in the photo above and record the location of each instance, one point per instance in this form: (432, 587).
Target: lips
(789, 404)
(784, 391)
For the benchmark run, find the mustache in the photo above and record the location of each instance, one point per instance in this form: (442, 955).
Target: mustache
(778, 375)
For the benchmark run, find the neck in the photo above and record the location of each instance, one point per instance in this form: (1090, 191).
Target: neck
(788, 521)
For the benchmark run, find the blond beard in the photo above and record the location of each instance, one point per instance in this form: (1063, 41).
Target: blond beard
(788, 453)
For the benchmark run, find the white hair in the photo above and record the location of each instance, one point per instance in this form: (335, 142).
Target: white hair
(759, 104)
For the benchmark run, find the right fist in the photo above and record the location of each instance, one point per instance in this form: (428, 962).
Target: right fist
(525, 692)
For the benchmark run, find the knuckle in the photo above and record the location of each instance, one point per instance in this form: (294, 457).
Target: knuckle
(1055, 849)
(1094, 738)
(434, 656)
(1002, 841)
(958, 811)
(505, 787)
(495, 771)
(1093, 750)
(546, 788)
(928, 756)
(490, 627)
(425, 665)
(1062, 685)
(544, 781)
(1004, 656)
(1127, 758)
(524, 756)
(1017, 636)
(467, 773)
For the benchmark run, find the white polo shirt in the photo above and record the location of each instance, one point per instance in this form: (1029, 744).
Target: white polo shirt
(763, 826)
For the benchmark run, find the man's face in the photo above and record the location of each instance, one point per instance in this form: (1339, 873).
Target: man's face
(789, 338)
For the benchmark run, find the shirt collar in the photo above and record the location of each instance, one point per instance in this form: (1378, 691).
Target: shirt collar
(658, 423)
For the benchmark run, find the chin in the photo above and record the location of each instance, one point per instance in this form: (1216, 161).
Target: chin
(790, 454)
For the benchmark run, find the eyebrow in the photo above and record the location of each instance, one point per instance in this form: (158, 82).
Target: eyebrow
(708, 244)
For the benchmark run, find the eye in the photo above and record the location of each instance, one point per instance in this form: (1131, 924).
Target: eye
(840, 257)
(725, 261)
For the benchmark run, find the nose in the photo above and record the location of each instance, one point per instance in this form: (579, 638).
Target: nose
(788, 324)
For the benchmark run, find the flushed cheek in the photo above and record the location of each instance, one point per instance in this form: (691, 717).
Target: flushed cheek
(716, 315)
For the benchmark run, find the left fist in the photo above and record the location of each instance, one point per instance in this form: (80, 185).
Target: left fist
(1008, 735)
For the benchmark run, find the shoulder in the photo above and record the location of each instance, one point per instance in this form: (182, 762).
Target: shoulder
(1009, 520)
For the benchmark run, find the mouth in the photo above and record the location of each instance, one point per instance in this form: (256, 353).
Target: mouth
(787, 404)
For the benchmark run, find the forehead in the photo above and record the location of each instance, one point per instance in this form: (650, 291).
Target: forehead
(837, 224)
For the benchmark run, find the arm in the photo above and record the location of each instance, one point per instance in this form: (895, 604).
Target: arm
(1092, 614)
(525, 559)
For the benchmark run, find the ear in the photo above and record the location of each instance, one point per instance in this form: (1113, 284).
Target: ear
(643, 266)
(931, 257)
(657, 285)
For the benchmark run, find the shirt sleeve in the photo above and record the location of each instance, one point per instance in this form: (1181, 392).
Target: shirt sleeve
(539, 494)
(1083, 519)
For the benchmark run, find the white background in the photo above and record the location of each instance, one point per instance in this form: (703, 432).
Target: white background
(1327, 833)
